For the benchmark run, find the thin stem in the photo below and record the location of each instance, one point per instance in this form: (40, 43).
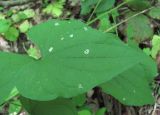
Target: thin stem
(116, 28)
(94, 10)
(16, 104)
(127, 19)
(105, 13)
(13, 2)
(154, 109)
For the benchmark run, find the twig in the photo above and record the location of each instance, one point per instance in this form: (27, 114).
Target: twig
(6, 4)
(154, 109)
(94, 10)
(127, 19)
(105, 13)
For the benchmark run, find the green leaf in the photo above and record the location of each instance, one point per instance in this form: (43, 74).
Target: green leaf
(131, 87)
(84, 112)
(29, 13)
(71, 54)
(101, 111)
(34, 52)
(24, 27)
(12, 34)
(138, 4)
(9, 13)
(155, 46)
(4, 25)
(56, 8)
(155, 13)
(104, 23)
(87, 5)
(147, 51)
(56, 107)
(18, 17)
(73, 61)
(14, 107)
(104, 5)
(138, 28)
(23, 15)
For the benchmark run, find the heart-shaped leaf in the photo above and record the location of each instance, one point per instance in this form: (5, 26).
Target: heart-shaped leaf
(75, 58)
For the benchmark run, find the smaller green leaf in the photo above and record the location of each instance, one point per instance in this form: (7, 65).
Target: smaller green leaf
(115, 14)
(104, 5)
(18, 17)
(34, 52)
(147, 51)
(48, 9)
(29, 13)
(87, 5)
(155, 40)
(24, 27)
(4, 25)
(22, 15)
(10, 12)
(84, 112)
(55, 9)
(155, 12)
(138, 28)
(12, 34)
(138, 4)
(101, 111)
(104, 23)
(155, 46)
(15, 107)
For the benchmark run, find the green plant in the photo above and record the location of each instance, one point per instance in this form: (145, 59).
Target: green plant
(138, 5)
(8, 27)
(103, 5)
(10, 33)
(69, 58)
(155, 47)
(136, 25)
(22, 15)
(53, 75)
(55, 9)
